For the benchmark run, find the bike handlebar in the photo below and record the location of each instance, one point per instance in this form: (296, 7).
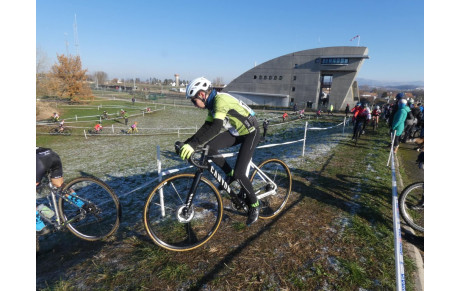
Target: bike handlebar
(202, 162)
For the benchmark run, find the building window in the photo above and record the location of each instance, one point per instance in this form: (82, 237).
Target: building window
(276, 77)
(294, 78)
(270, 77)
(255, 77)
(293, 89)
(295, 66)
(265, 77)
(334, 61)
(281, 78)
(260, 77)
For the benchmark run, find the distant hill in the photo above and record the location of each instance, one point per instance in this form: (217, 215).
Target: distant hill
(390, 84)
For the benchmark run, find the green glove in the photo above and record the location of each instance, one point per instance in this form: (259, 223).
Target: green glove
(186, 151)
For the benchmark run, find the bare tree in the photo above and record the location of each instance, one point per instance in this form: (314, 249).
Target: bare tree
(219, 81)
(101, 77)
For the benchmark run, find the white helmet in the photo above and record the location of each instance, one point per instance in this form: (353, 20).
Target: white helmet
(196, 85)
(378, 107)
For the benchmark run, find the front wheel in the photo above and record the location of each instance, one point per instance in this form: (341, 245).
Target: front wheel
(411, 205)
(272, 175)
(172, 225)
(89, 208)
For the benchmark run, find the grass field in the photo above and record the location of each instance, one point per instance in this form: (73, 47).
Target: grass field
(336, 232)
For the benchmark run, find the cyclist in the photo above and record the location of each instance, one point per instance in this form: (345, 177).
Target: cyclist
(47, 161)
(61, 125)
(134, 127)
(285, 115)
(376, 114)
(105, 115)
(241, 126)
(355, 110)
(301, 113)
(98, 127)
(55, 117)
(360, 115)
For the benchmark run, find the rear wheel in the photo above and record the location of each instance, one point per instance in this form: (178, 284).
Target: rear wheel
(173, 226)
(411, 205)
(272, 170)
(89, 209)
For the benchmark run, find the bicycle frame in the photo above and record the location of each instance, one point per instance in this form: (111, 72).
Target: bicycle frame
(222, 183)
(58, 224)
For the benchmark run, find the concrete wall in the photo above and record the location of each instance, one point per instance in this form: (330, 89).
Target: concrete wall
(300, 74)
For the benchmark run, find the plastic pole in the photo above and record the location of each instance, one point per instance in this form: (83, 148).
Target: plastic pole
(304, 139)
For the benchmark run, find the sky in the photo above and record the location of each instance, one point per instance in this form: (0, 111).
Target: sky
(223, 39)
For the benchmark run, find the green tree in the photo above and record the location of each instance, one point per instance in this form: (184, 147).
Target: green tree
(68, 79)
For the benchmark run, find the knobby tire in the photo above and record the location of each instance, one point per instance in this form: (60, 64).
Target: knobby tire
(411, 196)
(176, 231)
(102, 208)
(278, 172)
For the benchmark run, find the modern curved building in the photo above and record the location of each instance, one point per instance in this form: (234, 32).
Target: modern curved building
(311, 78)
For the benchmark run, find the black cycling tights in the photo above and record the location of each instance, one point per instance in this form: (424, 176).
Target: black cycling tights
(248, 145)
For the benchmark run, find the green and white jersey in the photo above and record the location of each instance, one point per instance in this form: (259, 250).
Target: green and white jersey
(238, 118)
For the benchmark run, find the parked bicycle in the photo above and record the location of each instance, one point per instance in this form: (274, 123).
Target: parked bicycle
(184, 211)
(86, 206)
(411, 203)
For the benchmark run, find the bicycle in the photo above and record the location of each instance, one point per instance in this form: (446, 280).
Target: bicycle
(359, 130)
(57, 130)
(94, 131)
(184, 211)
(86, 206)
(375, 124)
(411, 204)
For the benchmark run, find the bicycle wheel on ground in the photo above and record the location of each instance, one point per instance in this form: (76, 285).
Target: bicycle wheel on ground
(272, 170)
(66, 131)
(169, 226)
(54, 131)
(90, 210)
(411, 205)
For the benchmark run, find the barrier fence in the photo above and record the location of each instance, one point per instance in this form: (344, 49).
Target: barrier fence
(162, 173)
(398, 249)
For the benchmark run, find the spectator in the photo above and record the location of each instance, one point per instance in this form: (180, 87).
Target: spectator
(295, 108)
(398, 122)
(265, 125)
(394, 108)
(347, 110)
(133, 100)
(331, 109)
(410, 121)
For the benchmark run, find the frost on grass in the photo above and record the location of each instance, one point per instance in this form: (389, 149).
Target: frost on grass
(128, 163)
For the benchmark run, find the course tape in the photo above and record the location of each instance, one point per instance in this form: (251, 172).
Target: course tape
(225, 155)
